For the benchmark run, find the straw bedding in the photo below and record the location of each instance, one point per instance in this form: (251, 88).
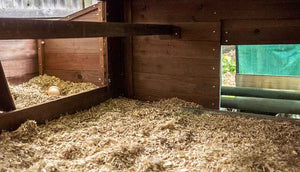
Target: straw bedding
(168, 135)
(35, 90)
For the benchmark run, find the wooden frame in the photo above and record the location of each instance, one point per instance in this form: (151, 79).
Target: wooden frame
(6, 100)
(41, 29)
(53, 109)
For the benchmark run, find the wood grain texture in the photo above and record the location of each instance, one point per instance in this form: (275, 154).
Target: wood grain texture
(167, 11)
(41, 55)
(53, 109)
(188, 68)
(238, 32)
(265, 81)
(79, 60)
(91, 76)
(19, 59)
(50, 29)
(18, 68)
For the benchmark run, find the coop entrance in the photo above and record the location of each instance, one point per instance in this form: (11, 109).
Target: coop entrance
(261, 78)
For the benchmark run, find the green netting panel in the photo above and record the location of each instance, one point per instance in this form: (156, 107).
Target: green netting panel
(269, 59)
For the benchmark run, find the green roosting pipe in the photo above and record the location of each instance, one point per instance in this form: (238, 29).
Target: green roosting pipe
(263, 93)
(261, 104)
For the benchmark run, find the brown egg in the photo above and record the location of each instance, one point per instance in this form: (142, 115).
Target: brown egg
(53, 91)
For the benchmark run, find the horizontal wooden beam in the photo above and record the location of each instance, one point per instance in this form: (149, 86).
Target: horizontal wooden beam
(40, 29)
(240, 32)
(53, 109)
(6, 100)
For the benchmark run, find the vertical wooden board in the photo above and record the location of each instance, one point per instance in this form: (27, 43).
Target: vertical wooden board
(41, 55)
(128, 52)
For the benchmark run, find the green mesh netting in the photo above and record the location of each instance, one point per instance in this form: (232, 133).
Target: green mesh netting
(269, 59)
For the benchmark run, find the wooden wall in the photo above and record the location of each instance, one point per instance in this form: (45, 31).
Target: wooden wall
(189, 68)
(19, 59)
(77, 60)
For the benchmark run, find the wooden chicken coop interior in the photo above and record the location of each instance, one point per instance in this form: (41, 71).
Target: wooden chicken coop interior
(146, 50)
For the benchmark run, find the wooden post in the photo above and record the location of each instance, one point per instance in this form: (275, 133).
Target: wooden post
(41, 55)
(6, 100)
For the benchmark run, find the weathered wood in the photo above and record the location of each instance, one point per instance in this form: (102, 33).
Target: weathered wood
(53, 109)
(41, 29)
(6, 100)
(238, 32)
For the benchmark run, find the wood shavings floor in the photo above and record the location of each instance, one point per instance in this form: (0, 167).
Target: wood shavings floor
(169, 135)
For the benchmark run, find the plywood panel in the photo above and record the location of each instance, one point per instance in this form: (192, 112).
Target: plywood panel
(265, 81)
(237, 32)
(199, 10)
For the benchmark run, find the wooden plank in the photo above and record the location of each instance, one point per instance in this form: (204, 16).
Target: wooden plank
(128, 51)
(144, 46)
(166, 11)
(6, 100)
(77, 62)
(115, 51)
(238, 32)
(15, 80)
(179, 66)
(72, 45)
(81, 13)
(18, 68)
(103, 72)
(266, 81)
(91, 76)
(17, 49)
(41, 29)
(156, 86)
(53, 109)
(41, 55)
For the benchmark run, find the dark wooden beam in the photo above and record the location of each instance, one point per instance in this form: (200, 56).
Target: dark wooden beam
(53, 109)
(239, 32)
(40, 29)
(6, 100)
